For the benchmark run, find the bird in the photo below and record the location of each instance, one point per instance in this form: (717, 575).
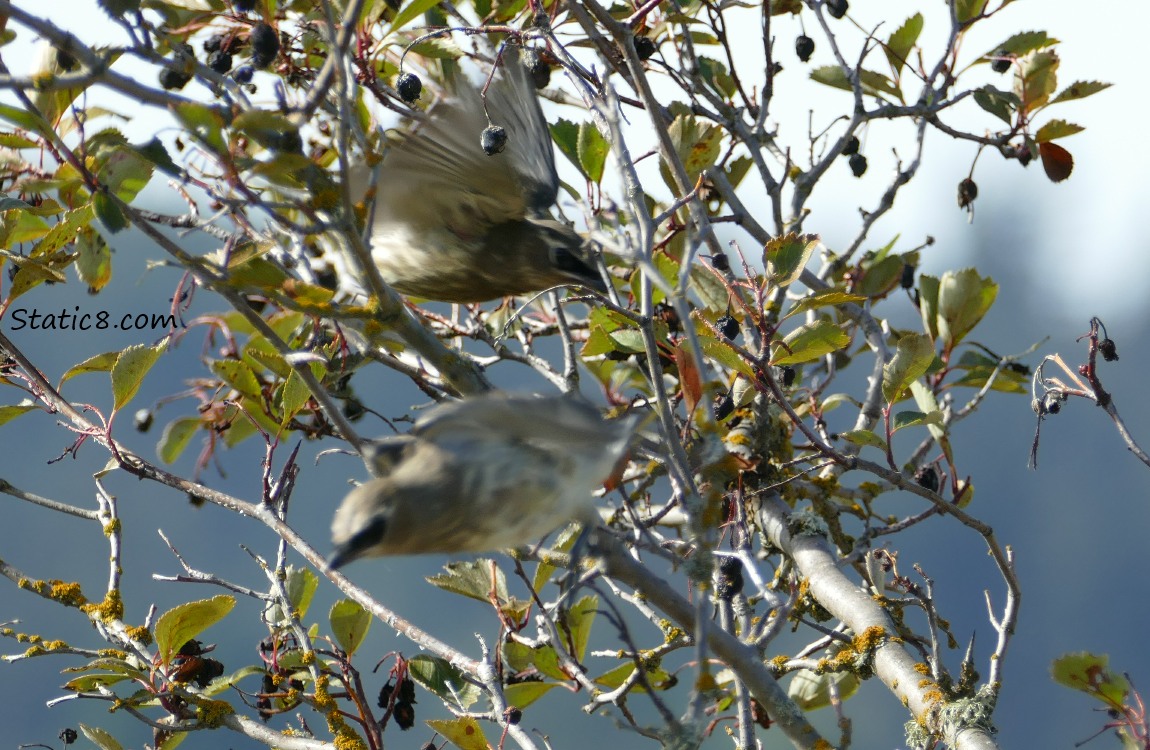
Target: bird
(480, 474)
(457, 220)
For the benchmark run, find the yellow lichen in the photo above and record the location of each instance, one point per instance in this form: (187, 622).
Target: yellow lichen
(112, 527)
(212, 713)
(141, 634)
(112, 608)
(922, 668)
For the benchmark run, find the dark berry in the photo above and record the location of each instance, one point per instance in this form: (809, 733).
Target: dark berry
(723, 406)
(906, 281)
(409, 87)
(721, 262)
(728, 326)
(1108, 349)
(385, 695)
(404, 715)
(668, 315)
(407, 690)
(851, 147)
(1023, 154)
(221, 62)
(514, 715)
(788, 376)
(804, 47)
(213, 43)
(173, 80)
(244, 6)
(858, 165)
(837, 8)
(493, 139)
(730, 578)
(68, 735)
(967, 192)
(265, 45)
(927, 478)
(644, 47)
(143, 420)
(537, 67)
(1002, 61)
(776, 68)
(244, 74)
(65, 60)
(288, 142)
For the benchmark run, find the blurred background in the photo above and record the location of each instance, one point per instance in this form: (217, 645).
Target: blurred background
(1060, 253)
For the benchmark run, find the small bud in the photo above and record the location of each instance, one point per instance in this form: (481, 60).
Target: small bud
(728, 326)
(851, 147)
(858, 165)
(644, 47)
(65, 60)
(513, 715)
(493, 140)
(1108, 349)
(721, 262)
(409, 87)
(804, 47)
(788, 376)
(837, 8)
(967, 192)
(68, 735)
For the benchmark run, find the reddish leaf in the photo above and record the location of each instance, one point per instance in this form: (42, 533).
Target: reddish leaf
(689, 379)
(1056, 160)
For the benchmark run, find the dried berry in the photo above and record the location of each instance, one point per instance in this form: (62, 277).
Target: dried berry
(728, 326)
(858, 165)
(537, 67)
(143, 420)
(513, 715)
(385, 695)
(851, 147)
(721, 262)
(1002, 61)
(265, 43)
(409, 87)
(668, 315)
(1108, 349)
(730, 579)
(407, 690)
(804, 47)
(172, 79)
(213, 43)
(644, 47)
(404, 715)
(788, 376)
(967, 192)
(244, 6)
(244, 74)
(68, 735)
(906, 281)
(65, 60)
(221, 62)
(493, 140)
(837, 8)
(927, 478)
(723, 406)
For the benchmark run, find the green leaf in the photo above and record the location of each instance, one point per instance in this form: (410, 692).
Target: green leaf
(901, 42)
(809, 342)
(238, 375)
(204, 123)
(1080, 90)
(472, 579)
(722, 352)
(25, 119)
(1090, 673)
(968, 10)
(812, 691)
(94, 260)
(301, 587)
(715, 74)
(443, 680)
(546, 660)
(911, 359)
(1037, 79)
(131, 366)
(349, 624)
(912, 418)
(698, 146)
(1021, 43)
(566, 136)
(785, 257)
(96, 363)
(177, 434)
(881, 277)
(864, 437)
(91, 682)
(830, 297)
(464, 732)
(963, 299)
(593, 150)
(293, 396)
(523, 694)
(64, 232)
(156, 153)
(1001, 104)
(410, 12)
(109, 213)
(100, 738)
(11, 411)
(578, 621)
(873, 84)
(925, 400)
(1056, 129)
(184, 622)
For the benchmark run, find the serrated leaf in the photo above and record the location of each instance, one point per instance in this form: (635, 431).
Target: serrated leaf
(901, 42)
(132, 364)
(1037, 79)
(64, 231)
(913, 418)
(546, 660)
(785, 257)
(25, 119)
(809, 342)
(722, 352)
(1021, 43)
(963, 298)
(881, 277)
(1056, 129)
(204, 123)
(566, 136)
(301, 586)
(93, 260)
(824, 298)
(1001, 104)
(864, 437)
(925, 400)
(913, 356)
(1091, 674)
(593, 150)
(184, 622)
(177, 434)
(1080, 90)
(409, 12)
(464, 732)
(578, 622)
(238, 375)
(100, 738)
(91, 682)
(293, 396)
(349, 624)
(443, 680)
(968, 10)
(872, 83)
(473, 579)
(97, 363)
